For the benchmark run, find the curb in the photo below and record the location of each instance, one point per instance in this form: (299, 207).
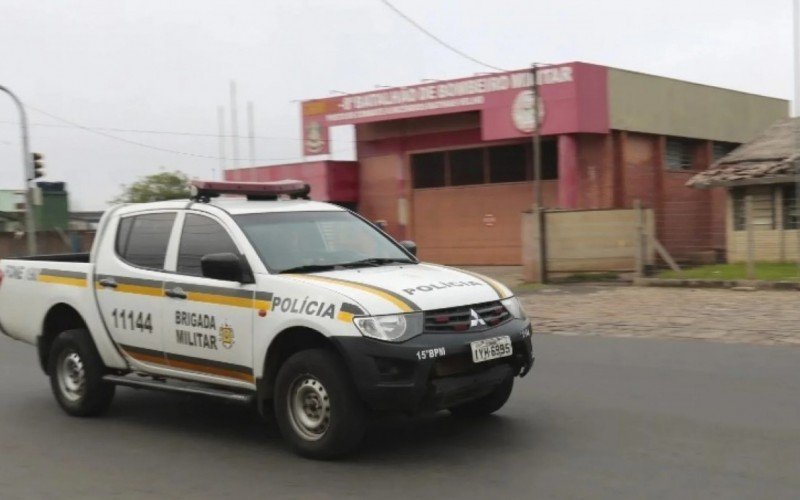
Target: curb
(731, 284)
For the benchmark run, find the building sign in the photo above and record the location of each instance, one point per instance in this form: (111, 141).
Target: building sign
(315, 138)
(505, 101)
(522, 111)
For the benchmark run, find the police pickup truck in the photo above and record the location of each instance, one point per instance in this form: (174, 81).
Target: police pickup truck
(303, 308)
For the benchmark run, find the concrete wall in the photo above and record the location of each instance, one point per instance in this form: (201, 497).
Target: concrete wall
(48, 242)
(586, 241)
(657, 105)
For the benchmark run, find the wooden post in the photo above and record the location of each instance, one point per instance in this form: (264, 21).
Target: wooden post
(640, 240)
(751, 246)
(542, 226)
(662, 251)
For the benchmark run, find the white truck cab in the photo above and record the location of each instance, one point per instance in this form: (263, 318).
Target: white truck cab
(304, 307)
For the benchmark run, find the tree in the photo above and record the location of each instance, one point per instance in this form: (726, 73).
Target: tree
(156, 187)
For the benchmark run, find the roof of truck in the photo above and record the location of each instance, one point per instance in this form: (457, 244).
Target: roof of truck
(236, 206)
(243, 206)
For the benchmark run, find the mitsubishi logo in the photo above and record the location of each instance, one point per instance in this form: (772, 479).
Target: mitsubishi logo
(475, 320)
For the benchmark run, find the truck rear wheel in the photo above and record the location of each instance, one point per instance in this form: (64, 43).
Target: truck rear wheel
(317, 406)
(487, 404)
(76, 375)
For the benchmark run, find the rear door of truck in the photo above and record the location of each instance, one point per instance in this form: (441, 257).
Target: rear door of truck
(129, 282)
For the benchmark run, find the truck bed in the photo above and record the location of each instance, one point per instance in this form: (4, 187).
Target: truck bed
(82, 257)
(32, 285)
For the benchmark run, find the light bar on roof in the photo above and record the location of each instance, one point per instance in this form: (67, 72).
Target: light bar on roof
(203, 190)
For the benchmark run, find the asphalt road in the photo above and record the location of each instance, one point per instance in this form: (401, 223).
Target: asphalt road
(597, 418)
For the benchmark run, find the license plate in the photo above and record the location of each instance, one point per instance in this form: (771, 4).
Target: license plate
(488, 349)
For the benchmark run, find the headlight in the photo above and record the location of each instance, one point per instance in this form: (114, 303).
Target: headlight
(514, 307)
(390, 328)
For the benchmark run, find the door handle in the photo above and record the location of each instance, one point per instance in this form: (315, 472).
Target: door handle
(175, 293)
(108, 283)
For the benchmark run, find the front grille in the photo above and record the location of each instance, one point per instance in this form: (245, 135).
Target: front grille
(462, 318)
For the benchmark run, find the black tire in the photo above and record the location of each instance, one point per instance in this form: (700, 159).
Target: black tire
(319, 380)
(76, 375)
(487, 404)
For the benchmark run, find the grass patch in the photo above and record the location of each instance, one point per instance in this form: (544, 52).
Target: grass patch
(768, 271)
(585, 278)
(527, 287)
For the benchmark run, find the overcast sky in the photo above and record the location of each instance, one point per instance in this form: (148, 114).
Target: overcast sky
(167, 65)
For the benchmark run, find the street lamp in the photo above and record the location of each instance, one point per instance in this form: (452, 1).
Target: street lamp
(27, 162)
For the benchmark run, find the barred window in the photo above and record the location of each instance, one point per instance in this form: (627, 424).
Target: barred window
(428, 170)
(763, 200)
(508, 163)
(549, 160)
(721, 149)
(466, 167)
(791, 217)
(739, 216)
(679, 154)
(490, 164)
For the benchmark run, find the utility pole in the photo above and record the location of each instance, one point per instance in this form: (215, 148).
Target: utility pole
(221, 125)
(536, 148)
(27, 162)
(234, 127)
(536, 138)
(750, 272)
(796, 125)
(251, 138)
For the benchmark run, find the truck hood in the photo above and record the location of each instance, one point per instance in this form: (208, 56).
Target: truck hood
(406, 288)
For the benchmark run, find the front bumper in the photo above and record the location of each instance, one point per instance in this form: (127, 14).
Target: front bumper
(433, 370)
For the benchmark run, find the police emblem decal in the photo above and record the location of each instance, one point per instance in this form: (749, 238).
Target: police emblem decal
(226, 336)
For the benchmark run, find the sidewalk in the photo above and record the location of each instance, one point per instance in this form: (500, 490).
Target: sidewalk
(758, 317)
(511, 276)
(605, 309)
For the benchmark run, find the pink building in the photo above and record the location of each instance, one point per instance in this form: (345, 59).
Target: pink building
(449, 163)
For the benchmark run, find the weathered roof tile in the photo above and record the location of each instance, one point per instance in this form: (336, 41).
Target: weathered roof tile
(770, 157)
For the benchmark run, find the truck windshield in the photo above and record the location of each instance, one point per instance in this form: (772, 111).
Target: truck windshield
(317, 241)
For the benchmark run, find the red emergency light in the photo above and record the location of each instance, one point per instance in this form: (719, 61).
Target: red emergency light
(204, 190)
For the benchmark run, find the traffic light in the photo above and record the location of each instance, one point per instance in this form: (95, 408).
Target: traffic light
(38, 165)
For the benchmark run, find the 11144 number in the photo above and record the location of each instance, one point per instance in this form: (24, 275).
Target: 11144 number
(132, 320)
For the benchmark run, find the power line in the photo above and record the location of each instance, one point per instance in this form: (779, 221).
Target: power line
(153, 132)
(114, 129)
(148, 146)
(171, 132)
(436, 38)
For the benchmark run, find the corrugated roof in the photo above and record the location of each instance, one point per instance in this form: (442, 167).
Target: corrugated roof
(767, 159)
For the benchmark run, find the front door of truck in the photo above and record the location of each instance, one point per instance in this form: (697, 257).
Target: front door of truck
(129, 280)
(209, 322)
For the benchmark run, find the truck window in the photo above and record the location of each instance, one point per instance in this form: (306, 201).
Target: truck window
(285, 240)
(142, 239)
(201, 236)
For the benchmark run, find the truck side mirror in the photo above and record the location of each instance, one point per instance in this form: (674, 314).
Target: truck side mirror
(225, 266)
(410, 246)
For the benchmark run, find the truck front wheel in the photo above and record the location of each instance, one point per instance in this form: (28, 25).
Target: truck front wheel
(76, 375)
(317, 406)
